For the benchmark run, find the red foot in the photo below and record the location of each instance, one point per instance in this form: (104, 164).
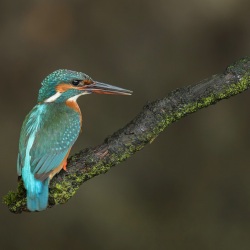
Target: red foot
(65, 166)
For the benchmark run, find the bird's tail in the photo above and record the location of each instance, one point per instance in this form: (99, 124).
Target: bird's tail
(37, 198)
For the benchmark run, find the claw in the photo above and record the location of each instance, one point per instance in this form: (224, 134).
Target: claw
(65, 166)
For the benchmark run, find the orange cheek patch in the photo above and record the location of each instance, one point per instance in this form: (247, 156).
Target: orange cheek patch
(63, 87)
(87, 82)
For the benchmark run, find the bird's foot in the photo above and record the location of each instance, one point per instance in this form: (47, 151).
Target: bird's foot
(65, 166)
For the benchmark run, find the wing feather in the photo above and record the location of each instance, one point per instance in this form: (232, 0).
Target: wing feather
(44, 164)
(58, 129)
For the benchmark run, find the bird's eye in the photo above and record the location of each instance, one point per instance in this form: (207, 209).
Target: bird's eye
(75, 82)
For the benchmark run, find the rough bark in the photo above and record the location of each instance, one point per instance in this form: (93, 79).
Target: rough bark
(143, 129)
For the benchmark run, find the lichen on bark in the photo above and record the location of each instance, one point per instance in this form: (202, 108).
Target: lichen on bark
(143, 129)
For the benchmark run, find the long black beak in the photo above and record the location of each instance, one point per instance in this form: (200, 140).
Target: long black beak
(103, 88)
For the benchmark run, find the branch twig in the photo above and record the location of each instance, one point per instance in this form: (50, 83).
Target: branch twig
(144, 128)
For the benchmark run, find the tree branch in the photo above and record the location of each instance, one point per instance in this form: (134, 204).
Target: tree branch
(144, 128)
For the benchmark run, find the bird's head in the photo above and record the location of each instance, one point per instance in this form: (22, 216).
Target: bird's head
(64, 84)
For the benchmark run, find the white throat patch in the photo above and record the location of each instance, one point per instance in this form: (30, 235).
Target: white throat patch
(58, 94)
(53, 97)
(74, 98)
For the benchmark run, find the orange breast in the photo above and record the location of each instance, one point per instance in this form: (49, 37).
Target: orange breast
(73, 105)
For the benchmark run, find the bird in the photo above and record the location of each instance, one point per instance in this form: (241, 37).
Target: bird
(50, 130)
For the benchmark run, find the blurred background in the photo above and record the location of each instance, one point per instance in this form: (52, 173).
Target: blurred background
(189, 189)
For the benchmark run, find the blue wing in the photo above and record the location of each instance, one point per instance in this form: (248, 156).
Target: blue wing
(53, 130)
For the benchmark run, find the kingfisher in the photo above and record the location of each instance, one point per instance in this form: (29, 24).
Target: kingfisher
(51, 128)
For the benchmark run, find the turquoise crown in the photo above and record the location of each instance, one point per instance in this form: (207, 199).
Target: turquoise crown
(59, 76)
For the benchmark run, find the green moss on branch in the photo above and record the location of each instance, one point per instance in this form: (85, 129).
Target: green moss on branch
(143, 129)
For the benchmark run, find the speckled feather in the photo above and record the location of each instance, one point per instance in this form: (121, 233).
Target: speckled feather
(59, 129)
(60, 75)
(50, 130)
(47, 135)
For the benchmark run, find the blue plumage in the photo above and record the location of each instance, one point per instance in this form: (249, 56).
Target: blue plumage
(50, 130)
(37, 200)
(47, 134)
(44, 143)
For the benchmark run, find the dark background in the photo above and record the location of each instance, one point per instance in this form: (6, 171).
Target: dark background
(189, 189)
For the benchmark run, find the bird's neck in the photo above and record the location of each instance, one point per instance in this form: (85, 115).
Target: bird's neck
(68, 107)
(70, 103)
(73, 105)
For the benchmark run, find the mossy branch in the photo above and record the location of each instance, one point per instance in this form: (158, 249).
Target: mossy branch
(144, 128)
